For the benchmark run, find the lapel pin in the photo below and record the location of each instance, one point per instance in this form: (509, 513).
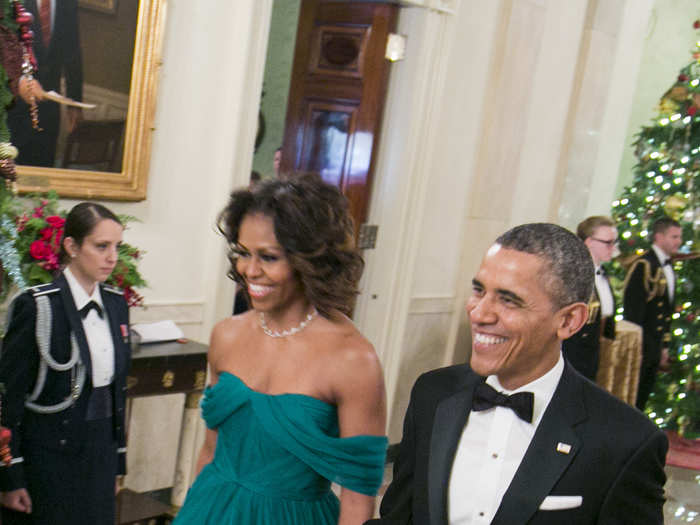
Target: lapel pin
(564, 448)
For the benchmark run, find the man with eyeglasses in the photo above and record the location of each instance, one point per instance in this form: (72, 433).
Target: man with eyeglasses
(582, 349)
(649, 300)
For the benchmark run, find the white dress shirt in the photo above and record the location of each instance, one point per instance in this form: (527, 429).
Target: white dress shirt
(605, 296)
(668, 271)
(97, 332)
(491, 448)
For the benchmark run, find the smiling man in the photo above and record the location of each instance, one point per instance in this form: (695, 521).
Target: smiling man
(519, 436)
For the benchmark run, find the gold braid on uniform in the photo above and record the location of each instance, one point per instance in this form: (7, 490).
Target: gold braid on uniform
(593, 307)
(655, 285)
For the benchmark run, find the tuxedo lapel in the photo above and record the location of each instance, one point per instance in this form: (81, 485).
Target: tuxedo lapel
(543, 464)
(75, 322)
(450, 417)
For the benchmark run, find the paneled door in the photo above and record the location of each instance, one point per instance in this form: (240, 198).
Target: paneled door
(337, 93)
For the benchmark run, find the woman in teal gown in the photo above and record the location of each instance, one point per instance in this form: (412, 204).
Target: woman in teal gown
(296, 399)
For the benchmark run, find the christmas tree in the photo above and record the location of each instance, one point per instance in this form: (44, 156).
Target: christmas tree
(666, 180)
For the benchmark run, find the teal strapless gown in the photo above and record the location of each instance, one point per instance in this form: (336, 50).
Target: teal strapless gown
(275, 458)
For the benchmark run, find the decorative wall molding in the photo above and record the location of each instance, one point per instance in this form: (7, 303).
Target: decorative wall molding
(185, 312)
(443, 6)
(438, 304)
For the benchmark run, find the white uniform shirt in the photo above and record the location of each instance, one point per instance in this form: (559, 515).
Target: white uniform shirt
(491, 448)
(602, 286)
(97, 332)
(667, 269)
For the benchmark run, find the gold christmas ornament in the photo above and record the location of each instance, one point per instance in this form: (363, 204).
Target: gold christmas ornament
(679, 93)
(674, 205)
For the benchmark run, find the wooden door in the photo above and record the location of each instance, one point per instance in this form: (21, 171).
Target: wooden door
(336, 97)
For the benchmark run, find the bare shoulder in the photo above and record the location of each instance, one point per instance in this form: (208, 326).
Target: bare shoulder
(226, 335)
(353, 375)
(351, 360)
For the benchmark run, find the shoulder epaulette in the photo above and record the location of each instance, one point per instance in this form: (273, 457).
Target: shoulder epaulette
(113, 289)
(43, 289)
(654, 284)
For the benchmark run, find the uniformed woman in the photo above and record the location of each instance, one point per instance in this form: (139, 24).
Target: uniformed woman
(63, 371)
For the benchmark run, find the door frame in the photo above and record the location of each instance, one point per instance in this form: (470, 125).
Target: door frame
(383, 323)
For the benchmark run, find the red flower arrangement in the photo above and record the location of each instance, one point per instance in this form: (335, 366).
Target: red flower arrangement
(39, 235)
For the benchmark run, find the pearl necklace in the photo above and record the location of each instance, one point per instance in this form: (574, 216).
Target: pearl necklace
(291, 331)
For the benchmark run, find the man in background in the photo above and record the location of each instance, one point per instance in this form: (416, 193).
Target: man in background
(582, 349)
(649, 300)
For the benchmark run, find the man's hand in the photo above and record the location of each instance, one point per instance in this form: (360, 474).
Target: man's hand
(18, 500)
(73, 116)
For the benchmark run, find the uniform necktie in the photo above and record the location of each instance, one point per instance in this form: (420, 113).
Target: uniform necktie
(85, 310)
(45, 20)
(486, 397)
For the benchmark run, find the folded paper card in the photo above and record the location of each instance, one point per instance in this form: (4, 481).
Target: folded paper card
(561, 502)
(157, 332)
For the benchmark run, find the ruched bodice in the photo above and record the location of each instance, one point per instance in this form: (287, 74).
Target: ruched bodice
(276, 456)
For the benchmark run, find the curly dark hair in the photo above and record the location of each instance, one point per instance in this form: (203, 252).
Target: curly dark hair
(313, 225)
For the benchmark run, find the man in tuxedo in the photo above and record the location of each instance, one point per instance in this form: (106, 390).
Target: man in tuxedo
(519, 436)
(582, 349)
(58, 53)
(649, 300)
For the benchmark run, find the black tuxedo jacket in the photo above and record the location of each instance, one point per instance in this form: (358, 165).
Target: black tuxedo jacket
(19, 365)
(616, 461)
(582, 349)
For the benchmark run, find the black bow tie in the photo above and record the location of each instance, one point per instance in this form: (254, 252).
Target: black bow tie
(600, 271)
(85, 310)
(667, 262)
(486, 397)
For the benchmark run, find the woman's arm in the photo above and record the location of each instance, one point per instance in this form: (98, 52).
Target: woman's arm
(361, 402)
(219, 343)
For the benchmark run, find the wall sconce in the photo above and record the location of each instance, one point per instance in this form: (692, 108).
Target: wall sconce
(395, 47)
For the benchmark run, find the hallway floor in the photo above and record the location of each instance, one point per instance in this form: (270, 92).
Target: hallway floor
(682, 496)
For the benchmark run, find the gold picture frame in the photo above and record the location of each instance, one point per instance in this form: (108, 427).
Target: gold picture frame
(131, 183)
(103, 6)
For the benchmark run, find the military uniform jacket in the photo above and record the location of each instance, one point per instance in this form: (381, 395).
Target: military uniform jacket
(19, 369)
(647, 303)
(582, 349)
